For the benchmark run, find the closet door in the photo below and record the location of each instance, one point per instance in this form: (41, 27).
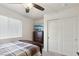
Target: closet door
(62, 36)
(78, 34)
(55, 33)
(59, 35)
(52, 33)
(69, 36)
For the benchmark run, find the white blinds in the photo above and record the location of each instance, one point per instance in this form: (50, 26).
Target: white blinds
(10, 28)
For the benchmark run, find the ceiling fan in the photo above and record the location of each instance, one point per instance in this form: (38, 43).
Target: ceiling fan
(30, 5)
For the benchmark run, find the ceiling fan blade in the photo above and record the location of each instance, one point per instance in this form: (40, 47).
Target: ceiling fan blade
(27, 10)
(38, 7)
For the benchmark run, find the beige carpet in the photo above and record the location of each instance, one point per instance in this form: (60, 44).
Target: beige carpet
(51, 54)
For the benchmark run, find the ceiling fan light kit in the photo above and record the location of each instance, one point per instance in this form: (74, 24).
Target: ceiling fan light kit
(27, 10)
(28, 6)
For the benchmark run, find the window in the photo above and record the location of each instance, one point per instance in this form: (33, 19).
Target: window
(10, 28)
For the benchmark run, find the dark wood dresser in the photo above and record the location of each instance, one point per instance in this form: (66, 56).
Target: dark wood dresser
(38, 36)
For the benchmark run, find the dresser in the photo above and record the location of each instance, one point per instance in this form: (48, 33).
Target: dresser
(38, 37)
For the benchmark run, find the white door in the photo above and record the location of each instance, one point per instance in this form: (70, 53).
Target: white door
(69, 36)
(52, 41)
(59, 35)
(78, 33)
(62, 36)
(55, 33)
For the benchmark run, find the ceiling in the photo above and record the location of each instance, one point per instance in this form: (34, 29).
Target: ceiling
(35, 13)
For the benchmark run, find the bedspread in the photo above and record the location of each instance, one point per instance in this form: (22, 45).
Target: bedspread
(19, 49)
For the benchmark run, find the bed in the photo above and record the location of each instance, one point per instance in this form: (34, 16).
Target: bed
(19, 48)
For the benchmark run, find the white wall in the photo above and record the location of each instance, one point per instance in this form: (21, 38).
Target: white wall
(27, 23)
(69, 12)
(39, 21)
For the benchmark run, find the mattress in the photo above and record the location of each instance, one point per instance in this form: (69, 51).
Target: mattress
(19, 48)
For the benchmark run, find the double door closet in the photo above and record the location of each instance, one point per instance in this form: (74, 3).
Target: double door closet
(63, 35)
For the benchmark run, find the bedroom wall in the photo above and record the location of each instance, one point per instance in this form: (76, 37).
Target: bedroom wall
(39, 21)
(69, 12)
(26, 22)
